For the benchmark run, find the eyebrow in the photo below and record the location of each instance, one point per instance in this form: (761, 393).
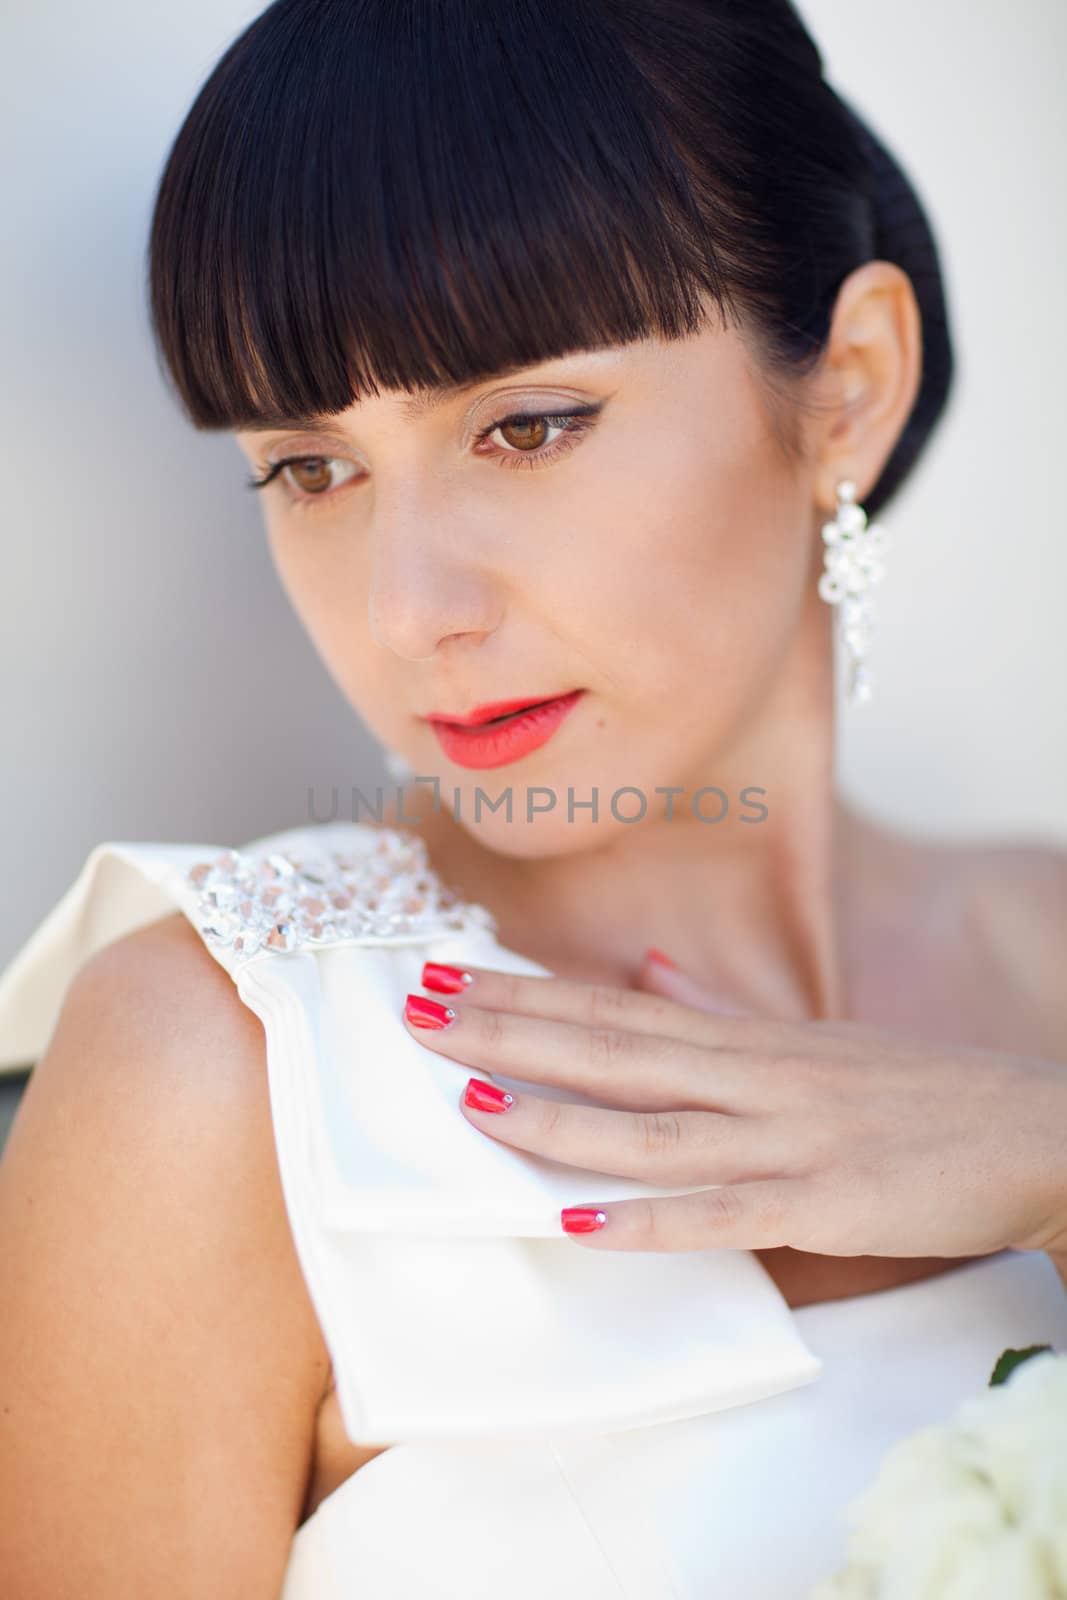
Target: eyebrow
(415, 406)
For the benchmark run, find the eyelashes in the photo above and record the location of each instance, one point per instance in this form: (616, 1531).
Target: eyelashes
(573, 425)
(272, 471)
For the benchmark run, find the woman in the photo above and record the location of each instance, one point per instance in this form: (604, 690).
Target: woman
(331, 1334)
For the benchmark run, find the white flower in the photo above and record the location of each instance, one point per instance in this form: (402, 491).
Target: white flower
(975, 1509)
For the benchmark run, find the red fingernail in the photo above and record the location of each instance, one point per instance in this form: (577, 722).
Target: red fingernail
(486, 1096)
(652, 954)
(582, 1219)
(446, 980)
(428, 1013)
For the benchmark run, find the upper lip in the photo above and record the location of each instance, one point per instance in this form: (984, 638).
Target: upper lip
(498, 708)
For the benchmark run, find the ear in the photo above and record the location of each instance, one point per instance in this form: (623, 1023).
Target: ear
(868, 378)
(654, 976)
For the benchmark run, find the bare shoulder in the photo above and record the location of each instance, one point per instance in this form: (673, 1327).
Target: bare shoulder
(156, 1316)
(167, 1049)
(1017, 891)
(962, 940)
(1012, 897)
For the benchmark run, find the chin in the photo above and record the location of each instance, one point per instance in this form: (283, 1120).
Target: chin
(547, 833)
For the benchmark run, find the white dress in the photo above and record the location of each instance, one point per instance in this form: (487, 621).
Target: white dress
(583, 1424)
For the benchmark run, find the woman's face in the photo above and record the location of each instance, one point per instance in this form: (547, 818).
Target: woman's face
(658, 557)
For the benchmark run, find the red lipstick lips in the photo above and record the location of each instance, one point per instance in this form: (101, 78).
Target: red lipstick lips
(478, 740)
(480, 714)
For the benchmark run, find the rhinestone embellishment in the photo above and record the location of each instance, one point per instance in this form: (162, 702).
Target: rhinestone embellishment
(252, 904)
(854, 560)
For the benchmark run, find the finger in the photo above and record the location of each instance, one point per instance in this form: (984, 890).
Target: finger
(669, 1148)
(604, 1005)
(654, 977)
(758, 1215)
(637, 1070)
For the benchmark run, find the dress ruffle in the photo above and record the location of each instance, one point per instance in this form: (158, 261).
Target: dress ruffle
(452, 1305)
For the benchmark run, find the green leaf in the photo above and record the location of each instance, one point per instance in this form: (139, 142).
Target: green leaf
(1007, 1363)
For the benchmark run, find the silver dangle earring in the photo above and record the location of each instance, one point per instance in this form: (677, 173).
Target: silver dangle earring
(853, 561)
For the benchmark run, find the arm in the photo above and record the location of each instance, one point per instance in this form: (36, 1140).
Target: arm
(160, 1364)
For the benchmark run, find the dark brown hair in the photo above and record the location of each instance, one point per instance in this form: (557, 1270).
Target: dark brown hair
(404, 194)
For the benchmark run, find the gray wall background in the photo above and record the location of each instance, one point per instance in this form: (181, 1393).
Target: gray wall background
(154, 683)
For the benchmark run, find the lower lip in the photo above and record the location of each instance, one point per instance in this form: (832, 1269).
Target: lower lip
(497, 743)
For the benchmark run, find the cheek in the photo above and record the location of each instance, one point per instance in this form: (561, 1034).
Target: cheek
(298, 562)
(317, 568)
(701, 561)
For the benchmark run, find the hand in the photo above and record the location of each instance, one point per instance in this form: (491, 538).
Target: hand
(838, 1138)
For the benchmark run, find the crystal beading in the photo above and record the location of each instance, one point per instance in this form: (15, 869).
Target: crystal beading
(854, 559)
(255, 903)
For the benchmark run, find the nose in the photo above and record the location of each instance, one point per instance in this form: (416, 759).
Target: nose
(422, 591)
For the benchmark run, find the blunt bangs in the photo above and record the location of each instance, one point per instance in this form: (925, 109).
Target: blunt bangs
(370, 195)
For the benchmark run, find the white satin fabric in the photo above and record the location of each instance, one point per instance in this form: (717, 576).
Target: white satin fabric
(595, 1423)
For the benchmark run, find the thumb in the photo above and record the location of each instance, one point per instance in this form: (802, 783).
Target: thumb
(658, 974)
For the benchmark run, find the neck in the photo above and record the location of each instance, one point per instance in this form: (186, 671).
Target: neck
(751, 910)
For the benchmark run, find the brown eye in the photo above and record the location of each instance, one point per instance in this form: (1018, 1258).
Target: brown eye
(309, 476)
(312, 475)
(524, 433)
(528, 432)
